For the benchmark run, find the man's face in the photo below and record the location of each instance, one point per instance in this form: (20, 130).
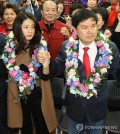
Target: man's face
(49, 11)
(87, 31)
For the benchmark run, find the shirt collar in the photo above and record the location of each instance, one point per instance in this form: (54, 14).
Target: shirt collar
(92, 45)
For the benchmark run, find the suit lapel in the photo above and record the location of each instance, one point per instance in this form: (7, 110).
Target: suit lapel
(97, 56)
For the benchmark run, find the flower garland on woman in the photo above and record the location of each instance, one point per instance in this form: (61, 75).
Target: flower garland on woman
(29, 80)
(25, 80)
(87, 88)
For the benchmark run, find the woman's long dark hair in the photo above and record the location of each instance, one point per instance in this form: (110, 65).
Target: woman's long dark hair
(18, 34)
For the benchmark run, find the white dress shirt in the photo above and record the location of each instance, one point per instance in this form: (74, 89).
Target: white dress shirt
(92, 52)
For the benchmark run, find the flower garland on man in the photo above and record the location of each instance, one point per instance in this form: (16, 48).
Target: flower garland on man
(87, 87)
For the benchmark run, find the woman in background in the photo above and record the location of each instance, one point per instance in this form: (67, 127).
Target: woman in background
(102, 15)
(60, 11)
(9, 13)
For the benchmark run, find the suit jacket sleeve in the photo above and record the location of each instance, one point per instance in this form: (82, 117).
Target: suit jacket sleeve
(115, 66)
(58, 65)
(43, 76)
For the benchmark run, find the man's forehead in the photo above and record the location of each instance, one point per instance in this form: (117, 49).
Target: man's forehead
(92, 20)
(48, 4)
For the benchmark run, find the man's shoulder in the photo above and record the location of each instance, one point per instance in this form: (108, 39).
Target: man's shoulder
(112, 44)
(113, 47)
(64, 44)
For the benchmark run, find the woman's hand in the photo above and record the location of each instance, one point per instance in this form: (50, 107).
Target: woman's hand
(44, 58)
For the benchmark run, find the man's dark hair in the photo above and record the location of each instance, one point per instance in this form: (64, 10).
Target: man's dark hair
(82, 15)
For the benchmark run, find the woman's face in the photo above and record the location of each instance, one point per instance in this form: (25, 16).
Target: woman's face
(91, 4)
(28, 29)
(9, 16)
(100, 21)
(60, 9)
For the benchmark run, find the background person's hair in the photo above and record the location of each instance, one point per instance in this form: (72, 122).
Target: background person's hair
(82, 15)
(103, 12)
(18, 34)
(74, 7)
(61, 2)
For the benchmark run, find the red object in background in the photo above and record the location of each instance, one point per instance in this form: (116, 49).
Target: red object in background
(67, 5)
(4, 30)
(104, 0)
(112, 15)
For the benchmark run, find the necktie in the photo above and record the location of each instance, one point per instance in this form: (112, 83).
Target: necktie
(86, 62)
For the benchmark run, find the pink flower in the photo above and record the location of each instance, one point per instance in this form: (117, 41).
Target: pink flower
(24, 82)
(101, 64)
(83, 88)
(35, 51)
(99, 43)
(74, 36)
(9, 49)
(75, 54)
(25, 75)
(67, 64)
(33, 57)
(30, 65)
(35, 69)
(97, 79)
(106, 57)
(28, 84)
(76, 83)
(93, 70)
(11, 61)
(68, 83)
(103, 48)
(13, 73)
(71, 44)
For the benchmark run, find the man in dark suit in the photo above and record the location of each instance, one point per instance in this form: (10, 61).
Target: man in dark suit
(87, 59)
